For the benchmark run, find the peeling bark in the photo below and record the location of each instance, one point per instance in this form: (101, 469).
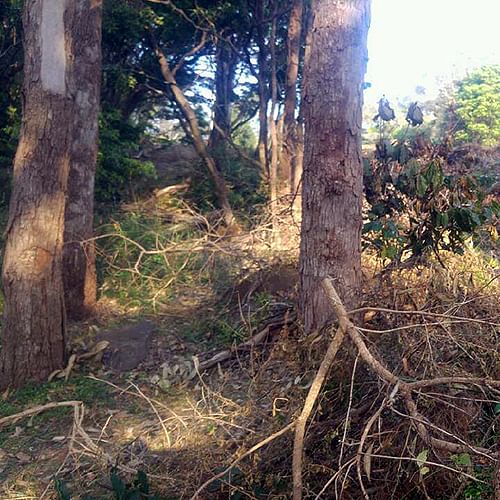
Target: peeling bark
(33, 336)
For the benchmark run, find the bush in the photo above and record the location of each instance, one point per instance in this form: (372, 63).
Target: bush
(416, 209)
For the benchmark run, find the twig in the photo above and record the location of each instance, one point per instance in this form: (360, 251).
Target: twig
(246, 454)
(347, 327)
(153, 407)
(37, 409)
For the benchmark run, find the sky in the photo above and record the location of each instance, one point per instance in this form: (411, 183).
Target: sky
(427, 43)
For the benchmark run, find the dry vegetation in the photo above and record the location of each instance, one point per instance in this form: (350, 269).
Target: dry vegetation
(183, 425)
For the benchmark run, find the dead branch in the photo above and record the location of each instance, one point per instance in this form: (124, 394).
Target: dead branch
(257, 339)
(300, 430)
(37, 409)
(405, 388)
(173, 189)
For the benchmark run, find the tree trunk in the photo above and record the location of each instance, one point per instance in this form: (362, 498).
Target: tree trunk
(332, 179)
(198, 142)
(273, 170)
(224, 80)
(263, 91)
(79, 258)
(290, 133)
(33, 337)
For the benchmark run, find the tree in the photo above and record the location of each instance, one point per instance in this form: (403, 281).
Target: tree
(477, 106)
(226, 61)
(288, 162)
(79, 258)
(33, 336)
(332, 179)
(10, 89)
(189, 115)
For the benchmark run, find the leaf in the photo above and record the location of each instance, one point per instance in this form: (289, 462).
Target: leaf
(424, 470)
(421, 185)
(142, 482)
(62, 490)
(422, 458)
(464, 459)
(118, 486)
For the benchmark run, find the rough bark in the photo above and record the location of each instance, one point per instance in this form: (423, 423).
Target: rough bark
(33, 337)
(195, 134)
(332, 178)
(288, 170)
(84, 85)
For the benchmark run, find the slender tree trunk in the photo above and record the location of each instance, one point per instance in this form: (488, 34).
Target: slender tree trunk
(262, 146)
(224, 81)
(297, 164)
(332, 178)
(198, 142)
(288, 161)
(33, 337)
(79, 258)
(273, 170)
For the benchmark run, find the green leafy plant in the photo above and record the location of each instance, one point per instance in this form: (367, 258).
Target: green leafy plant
(136, 490)
(417, 209)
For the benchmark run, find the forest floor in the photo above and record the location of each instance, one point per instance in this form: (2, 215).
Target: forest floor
(175, 291)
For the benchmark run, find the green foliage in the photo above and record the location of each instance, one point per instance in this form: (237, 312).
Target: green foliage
(137, 489)
(416, 209)
(138, 279)
(478, 107)
(116, 169)
(244, 182)
(10, 89)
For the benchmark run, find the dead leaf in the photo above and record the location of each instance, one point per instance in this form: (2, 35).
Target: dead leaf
(369, 315)
(367, 461)
(23, 457)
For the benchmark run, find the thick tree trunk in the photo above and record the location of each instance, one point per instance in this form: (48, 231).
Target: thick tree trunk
(288, 169)
(33, 337)
(198, 142)
(332, 178)
(79, 258)
(224, 81)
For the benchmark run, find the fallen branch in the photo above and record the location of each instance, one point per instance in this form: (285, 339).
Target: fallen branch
(346, 327)
(37, 409)
(173, 189)
(257, 339)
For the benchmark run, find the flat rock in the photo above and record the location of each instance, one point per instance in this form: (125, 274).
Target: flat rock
(128, 345)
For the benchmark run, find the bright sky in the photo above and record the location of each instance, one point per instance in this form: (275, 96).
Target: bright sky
(428, 42)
